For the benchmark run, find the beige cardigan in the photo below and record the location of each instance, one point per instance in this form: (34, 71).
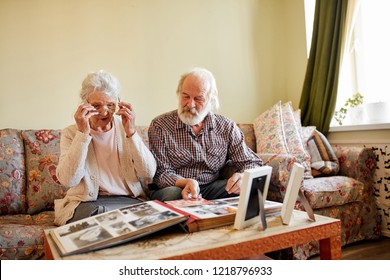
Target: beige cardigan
(78, 169)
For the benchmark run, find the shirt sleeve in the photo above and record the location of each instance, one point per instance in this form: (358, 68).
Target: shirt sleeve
(240, 154)
(165, 175)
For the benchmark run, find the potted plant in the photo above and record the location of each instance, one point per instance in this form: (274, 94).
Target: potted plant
(354, 101)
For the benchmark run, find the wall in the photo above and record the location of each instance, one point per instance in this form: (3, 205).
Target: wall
(255, 48)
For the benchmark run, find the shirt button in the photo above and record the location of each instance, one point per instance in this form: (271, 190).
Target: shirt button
(91, 194)
(92, 177)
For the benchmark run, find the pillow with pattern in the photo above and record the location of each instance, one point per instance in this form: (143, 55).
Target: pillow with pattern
(323, 159)
(293, 133)
(268, 128)
(42, 149)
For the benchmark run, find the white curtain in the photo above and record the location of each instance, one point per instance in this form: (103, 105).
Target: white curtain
(352, 12)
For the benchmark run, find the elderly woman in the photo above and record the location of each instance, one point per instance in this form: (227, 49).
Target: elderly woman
(103, 160)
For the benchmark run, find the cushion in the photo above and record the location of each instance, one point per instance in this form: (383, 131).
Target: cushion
(292, 131)
(278, 131)
(142, 131)
(307, 132)
(19, 242)
(12, 173)
(323, 159)
(332, 191)
(249, 135)
(269, 132)
(42, 152)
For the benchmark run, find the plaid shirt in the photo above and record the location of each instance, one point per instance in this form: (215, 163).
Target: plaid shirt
(182, 154)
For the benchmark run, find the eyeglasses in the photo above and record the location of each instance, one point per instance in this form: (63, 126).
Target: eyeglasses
(101, 107)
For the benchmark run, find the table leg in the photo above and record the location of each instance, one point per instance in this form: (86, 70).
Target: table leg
(47, 250)
(330, 248)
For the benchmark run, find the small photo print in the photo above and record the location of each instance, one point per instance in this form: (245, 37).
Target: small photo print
(75, 227)
(109, 217)
(120, 228)
(221, 210)
(188, 203)
(90, 236)
(153, 219)
(140, 210)
(220, 202)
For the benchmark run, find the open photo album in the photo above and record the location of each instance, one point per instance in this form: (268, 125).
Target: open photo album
(114, 227)
(135, 221)
(206, 214)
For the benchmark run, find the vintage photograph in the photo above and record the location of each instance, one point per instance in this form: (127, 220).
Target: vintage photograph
(109, 217)
(90, 236)
(141, 210)
(75, 227)
(153, 219)
(120, 228)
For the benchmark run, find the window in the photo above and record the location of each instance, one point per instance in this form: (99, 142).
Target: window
(365, 63)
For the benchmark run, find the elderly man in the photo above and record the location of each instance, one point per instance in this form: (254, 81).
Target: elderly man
(191, 144)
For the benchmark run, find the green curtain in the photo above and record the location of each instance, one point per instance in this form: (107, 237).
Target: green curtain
(319, 93)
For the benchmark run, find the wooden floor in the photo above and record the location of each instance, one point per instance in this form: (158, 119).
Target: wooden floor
(366, 250)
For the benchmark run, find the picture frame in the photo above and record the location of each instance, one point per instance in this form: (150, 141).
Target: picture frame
(253, 193)
(293, 186)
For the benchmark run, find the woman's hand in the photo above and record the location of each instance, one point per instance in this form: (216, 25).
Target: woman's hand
(128, 117)
(82, 115)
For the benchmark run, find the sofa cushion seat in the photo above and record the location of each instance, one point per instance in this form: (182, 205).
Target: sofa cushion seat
(332, 191)
(21, 236)
(24, 219)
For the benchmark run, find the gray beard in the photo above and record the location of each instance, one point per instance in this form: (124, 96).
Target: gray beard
(193, 117)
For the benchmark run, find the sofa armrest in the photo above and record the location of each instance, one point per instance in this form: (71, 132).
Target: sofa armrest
(357, 162)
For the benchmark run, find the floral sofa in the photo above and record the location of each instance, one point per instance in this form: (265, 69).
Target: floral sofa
(348, 196)
(29, 186)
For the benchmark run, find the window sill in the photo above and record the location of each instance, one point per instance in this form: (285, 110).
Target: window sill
(359, 127)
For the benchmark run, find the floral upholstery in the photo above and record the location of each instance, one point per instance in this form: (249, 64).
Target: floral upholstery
(42, 152)
(293, 133)
(23, 201)
(359, 221)
(143, 133)
(249, 135)
(269, 132)
(21, 236)
(12, 172)
(349, 196)
(26, 203)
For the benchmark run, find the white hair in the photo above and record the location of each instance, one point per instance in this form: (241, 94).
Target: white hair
(209, 84)
(101, 81)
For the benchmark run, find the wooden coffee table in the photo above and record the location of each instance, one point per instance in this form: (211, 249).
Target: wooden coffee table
(224, 242)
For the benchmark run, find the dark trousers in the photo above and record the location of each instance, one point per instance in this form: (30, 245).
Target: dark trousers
(101, 205)
(211, 191)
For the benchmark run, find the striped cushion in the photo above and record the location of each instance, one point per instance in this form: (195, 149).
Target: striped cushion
(323, 159)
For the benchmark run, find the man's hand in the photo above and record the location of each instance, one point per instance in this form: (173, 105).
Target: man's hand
(190, 187)
(234, 183)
